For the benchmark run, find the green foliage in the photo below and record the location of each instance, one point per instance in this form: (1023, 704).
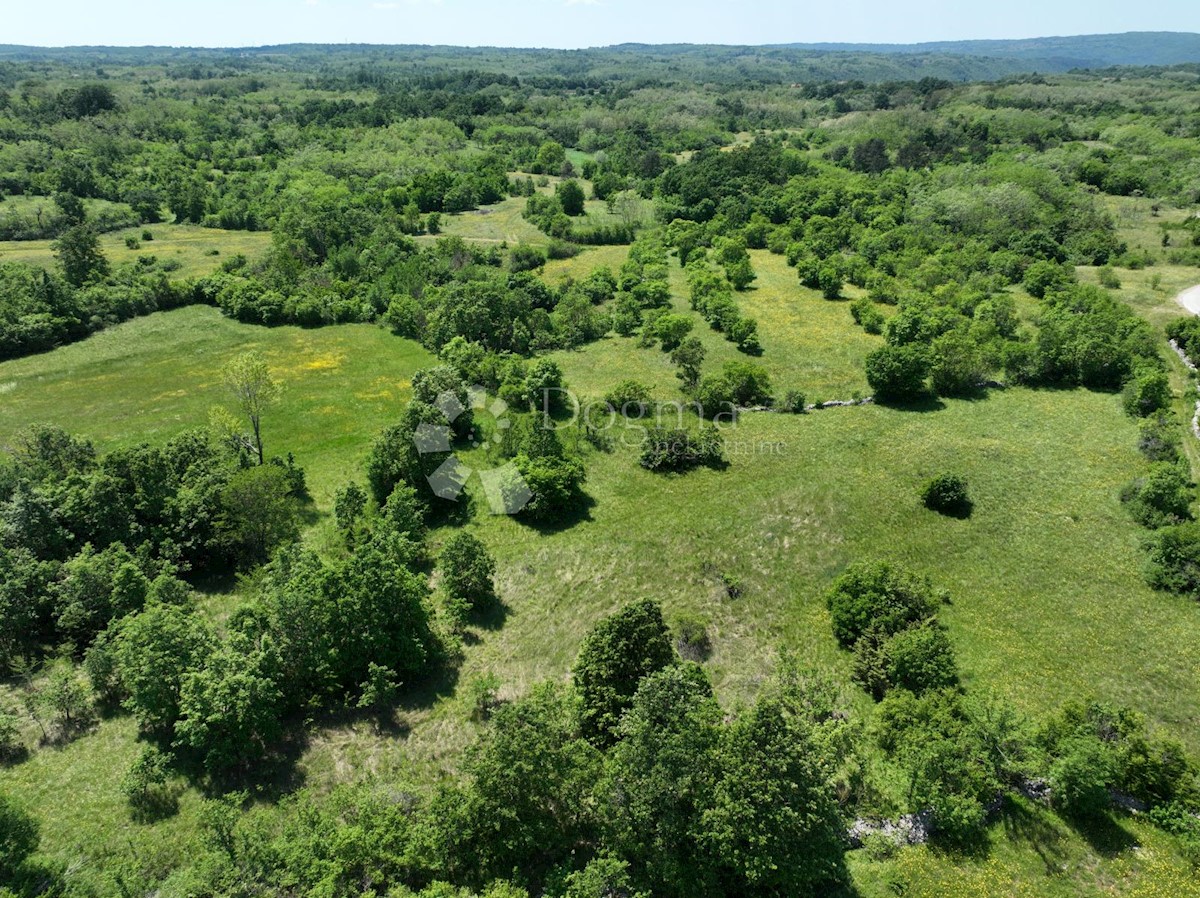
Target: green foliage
(1173, 559)
(1146, 393)
(19, 838)
(79, 255)
(1162, 496)
(876, 595)
(614, 657)
(680, 449)
(947, 494)
(468, 570)
(259, 513)
(897, 373)
(1080, 778)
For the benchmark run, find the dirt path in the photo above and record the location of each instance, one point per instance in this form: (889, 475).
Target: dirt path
(1190, 299)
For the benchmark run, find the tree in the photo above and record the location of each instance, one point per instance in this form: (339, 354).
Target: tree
(254, 390)
(773, 826)
(660, 782)
(19, 838)
(1081, 776)
(571, 197)
(527, 804)
(688, 357)
(468, 570)
(79, 255)
(876, 594)
(155, 651)
(258, 513)
(897, 373)
(229, 710)
(671, 329)
(614, 657)
(1147, 392)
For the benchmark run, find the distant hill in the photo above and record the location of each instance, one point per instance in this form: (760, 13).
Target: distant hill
(668, 63)
(1087, 51)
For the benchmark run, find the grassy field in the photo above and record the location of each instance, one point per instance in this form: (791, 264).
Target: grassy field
(150, 378)
(1048, 602)
(809, 343)
(198, 250)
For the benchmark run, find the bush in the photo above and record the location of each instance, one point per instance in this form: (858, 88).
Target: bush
(691, 635)
(897, 373)
(629, 398)
(1158, 437)
(145, 785)
(1163, 496)
(947, 494)
(877, 595)
(1108, 278)
(1080, 777)
(678, 449)
(793, 403)
(1173, 561)
(1146, 393)
(468, 570)
(866, 315)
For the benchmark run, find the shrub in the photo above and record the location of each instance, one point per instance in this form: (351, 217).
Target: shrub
(921, 658)
(1108, 278)
(793, 402)
(1173, 561)
(679, 449)
(145, 785)
(629, 398)
(1163, 496)
(691, 635)
(877, 595)
(1080, 778)
(468, 570)
(1158, 437)
(866, 315)
(897, 373)
(1146, 393)
(947, 494)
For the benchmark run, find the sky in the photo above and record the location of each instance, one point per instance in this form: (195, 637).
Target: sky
(571, 23)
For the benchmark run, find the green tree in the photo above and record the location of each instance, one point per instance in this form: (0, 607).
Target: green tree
(571, 197)
(876, 594)
(468, 570)
(660, 781)
(526, 805)
(615, 656)
(155, 651)
(258, 513)
(897, 373)
(79, 254)
(773, 824)
(249, 380)
(688, 358)
(229, 710)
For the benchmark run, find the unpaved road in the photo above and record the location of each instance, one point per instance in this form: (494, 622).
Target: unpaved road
(1190, 299)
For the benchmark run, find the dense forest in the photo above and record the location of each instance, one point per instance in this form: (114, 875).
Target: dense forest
(588, 256)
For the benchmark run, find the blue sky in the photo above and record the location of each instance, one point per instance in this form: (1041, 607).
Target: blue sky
(571, 23)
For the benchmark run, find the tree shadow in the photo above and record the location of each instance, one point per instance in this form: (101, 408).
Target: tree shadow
(926, 403)
(1103, 833)
(577, 513)
(491, 615)
(1036, 830)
